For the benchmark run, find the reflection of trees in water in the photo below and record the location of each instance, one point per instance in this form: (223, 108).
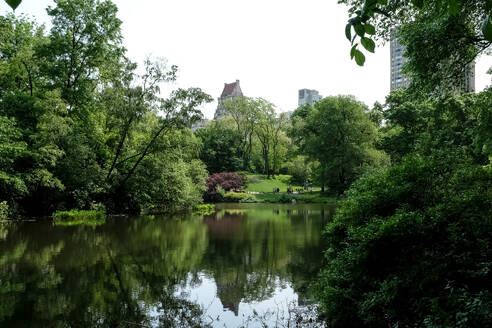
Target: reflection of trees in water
(112, 276)
(251, 253)
(128, 271)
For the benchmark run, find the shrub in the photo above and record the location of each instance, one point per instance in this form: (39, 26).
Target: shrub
(4, 210)
(410, 247)
(227, 181)
(204, 209)
(244, 177)
(79, 217)
(234, 197)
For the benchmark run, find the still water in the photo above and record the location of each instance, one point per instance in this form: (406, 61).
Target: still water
(243, 266)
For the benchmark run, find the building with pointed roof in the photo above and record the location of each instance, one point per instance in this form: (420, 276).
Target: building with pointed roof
(231, 90)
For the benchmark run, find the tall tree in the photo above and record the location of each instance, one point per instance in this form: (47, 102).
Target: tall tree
(339, 134)
(221, 151)
(84, 49)
(266, 131)
(244, 112)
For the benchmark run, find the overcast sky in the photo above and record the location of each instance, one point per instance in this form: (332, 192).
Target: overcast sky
(274, 47)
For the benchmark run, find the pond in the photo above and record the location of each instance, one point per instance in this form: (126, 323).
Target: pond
(247, 265)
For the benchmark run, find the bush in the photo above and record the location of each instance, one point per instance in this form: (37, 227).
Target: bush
(411, 247)
(79, 217)
(227, 181)
(4, 210)
(299, 169)
(234, 197)
(244, 177)
(204, 209)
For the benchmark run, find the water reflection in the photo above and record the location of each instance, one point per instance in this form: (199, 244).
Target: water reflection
(185, 271)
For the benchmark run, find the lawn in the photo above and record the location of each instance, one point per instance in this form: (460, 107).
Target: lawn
(260, 183)
(304, 198)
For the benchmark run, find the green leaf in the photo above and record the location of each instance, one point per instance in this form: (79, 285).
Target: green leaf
(368, 44)
(370, 29)
(383, 2)
(487, 28)
(359, 29)
(348, 33)
(488, 5)
(418, 3)
(13, 3)
(453, 7)
(352, 51)
(359, 58)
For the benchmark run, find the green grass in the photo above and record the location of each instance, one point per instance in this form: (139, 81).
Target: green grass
(306, 198)
(204, 209)
(260, 183)
(79, 217)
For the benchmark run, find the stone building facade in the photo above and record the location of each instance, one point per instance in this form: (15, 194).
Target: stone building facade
(231, 90)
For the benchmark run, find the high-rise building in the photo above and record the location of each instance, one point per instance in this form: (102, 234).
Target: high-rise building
(231, 90)
(470, 78)
(399, 80)
(307, 96)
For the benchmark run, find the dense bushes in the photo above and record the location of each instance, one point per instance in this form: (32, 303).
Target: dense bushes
(226, 181)
(221, 151)
(411, 247)
(79, 125)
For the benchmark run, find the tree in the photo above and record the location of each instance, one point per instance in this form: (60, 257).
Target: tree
(407, 247)
(266, 131)
(85, 49)
(244, 112)
(222, 147)
(379, 17)
(90, 128)
(338, 133)
(13, 3)
(279, 141)
(427, 125)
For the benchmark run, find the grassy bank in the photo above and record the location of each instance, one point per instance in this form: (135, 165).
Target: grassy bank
(260, 190)
(79, 217)
(282, 198)
(306, 198)
(260, 183)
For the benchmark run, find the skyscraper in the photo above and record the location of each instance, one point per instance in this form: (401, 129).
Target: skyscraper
(307, 96)
(399, 80)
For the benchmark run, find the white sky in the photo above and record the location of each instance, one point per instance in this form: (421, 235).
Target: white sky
(274, 47)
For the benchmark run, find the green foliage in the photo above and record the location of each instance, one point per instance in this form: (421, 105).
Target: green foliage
(457, 30)
(338, 133)
(78, 125)
(244, 178)
(300, 170)
(204, 209)
(410, 246)
(284, 198)
(79, 217)
(13, 3)
(426, 125)
(4, 210)
(221, 150)
(261, 183)
(234, 197)
(264, 144)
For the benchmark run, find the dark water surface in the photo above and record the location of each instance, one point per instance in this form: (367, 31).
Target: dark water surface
(245, 265)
